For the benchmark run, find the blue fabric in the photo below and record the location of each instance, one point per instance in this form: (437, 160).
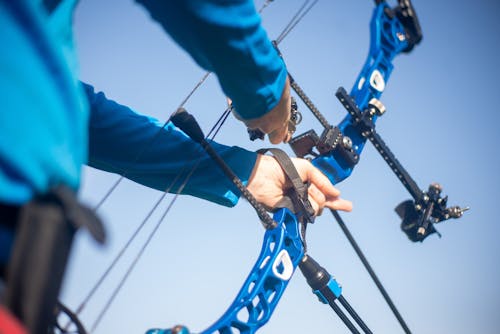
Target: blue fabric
(124, 141)
(226, 37)
(46, 114)
(43, 118)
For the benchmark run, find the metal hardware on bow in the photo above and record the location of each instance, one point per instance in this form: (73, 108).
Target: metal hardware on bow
(283, 250)
(335, 152)
(295, 119)
(304, 9)
(328, 291)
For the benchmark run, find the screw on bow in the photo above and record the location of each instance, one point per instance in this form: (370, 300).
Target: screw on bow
(419, 216)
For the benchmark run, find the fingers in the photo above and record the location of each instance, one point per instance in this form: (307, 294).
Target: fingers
(276, 121)
(321, 191)
(268, 184)
(311, 174)
(339, 204)
(280, 135)
(319, 201)
(332, 194)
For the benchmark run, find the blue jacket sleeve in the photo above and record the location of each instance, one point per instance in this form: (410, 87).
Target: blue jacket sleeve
(226, 37)
(122, 141)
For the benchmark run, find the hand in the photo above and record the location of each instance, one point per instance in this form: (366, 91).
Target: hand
(275, 122)
(268, 183)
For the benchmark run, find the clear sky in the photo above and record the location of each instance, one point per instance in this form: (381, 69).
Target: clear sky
(441, 123)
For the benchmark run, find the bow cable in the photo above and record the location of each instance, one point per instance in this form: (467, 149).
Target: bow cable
(131, 267)
(94, 289)
(215, 129)
(150, 142)
(299, 15)
(296, 19)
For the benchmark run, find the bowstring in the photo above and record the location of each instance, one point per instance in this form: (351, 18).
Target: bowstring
(291, 23)
(150, 142)
(108, 270)
(297, 20)
(215, 129)
(299, 15)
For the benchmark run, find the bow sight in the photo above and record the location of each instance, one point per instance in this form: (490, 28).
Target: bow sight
(284, 248)
(337, 150)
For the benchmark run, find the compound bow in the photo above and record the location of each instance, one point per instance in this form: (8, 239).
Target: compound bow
(335, 152)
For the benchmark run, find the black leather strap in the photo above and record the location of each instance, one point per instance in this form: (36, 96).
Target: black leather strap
(297, 198)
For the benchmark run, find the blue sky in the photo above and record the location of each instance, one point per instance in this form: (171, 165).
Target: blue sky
(441, 123)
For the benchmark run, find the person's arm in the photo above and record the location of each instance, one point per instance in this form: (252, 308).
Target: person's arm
(121, 140)
(227, 37)
(268, 184)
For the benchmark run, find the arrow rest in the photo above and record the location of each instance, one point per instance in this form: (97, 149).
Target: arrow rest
(335, 152)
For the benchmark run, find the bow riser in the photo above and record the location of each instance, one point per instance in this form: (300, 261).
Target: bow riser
(252, 308)
(280, 255)
(387, 40)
